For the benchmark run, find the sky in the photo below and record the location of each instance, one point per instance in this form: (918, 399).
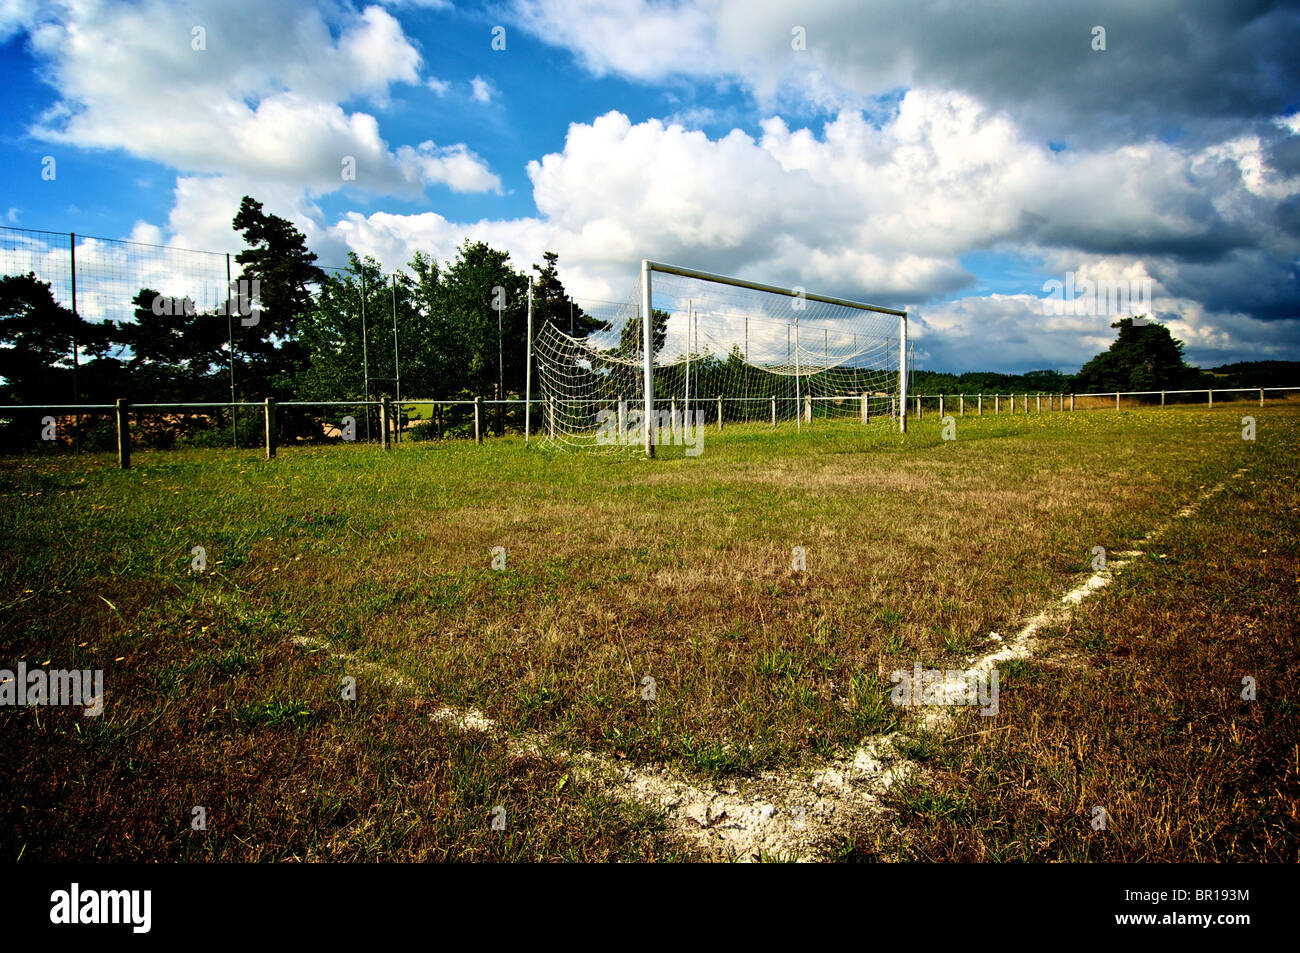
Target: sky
(974, 163)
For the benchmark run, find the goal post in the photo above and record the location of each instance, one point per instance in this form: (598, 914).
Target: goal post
(691, 348)
(902, 373)
(647, 354)
(649, 267)
(528, 370)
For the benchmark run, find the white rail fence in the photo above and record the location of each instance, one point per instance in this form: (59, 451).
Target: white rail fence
(390, 422)
(1019, 402)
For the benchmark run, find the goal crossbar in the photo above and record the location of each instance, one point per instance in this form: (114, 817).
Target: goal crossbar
(649, 267)
(772, 289)
(698, 341)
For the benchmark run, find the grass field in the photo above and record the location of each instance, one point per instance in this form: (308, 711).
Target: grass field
(224, 686)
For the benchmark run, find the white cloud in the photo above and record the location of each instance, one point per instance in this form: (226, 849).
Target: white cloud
(1036, 57)
(646, 41)
(378, 53)
(482, 90)
(967, 333)
(881, 208)
(261, 101)
(453, 166)
(15, 15)
(1026, 331)
(876, 214)
(146, 233)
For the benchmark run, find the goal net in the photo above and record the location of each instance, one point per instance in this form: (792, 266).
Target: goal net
(722, 351)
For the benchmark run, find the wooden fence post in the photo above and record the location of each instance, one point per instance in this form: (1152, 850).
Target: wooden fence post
(123, 435)
(1071, 402)
(997, 403)
(941, 406)
(1117, 400)
(1261, 397)
(773, 406)
(981, 405)
(270, 427)
(719, 415)
(383, 422)
(478, 419)
(961, 406)
(1211, 393)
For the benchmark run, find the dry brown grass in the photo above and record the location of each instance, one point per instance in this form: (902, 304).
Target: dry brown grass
(616, 569)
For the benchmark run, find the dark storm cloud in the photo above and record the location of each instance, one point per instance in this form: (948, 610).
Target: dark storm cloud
(1250, 281)
(1171, 69)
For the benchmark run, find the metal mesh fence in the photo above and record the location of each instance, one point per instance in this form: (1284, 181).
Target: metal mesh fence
(102, 276)
(99, 279)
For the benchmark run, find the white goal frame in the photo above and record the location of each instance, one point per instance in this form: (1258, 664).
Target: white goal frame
(649, 267)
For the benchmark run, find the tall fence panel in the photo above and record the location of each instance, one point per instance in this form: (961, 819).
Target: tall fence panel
(106, 274)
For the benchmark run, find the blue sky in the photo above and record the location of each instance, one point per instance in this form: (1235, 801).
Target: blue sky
(906, 153)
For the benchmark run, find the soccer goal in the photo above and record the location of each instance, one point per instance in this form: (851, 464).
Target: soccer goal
(716, 351)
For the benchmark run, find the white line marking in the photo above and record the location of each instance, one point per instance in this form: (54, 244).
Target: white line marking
(790, 814)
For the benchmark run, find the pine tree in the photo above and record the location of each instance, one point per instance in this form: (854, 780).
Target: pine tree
(1144, 357)
(551, 303)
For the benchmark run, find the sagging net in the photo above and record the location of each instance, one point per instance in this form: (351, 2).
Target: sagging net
(745, 355)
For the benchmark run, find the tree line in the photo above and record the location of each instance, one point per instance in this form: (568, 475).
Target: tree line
(461, 329)
(1145, 356)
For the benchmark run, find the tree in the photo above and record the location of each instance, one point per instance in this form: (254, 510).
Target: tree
(331, 332)
(1257, 374)
(986, 382)
(278, 258)
(426, 362)
(1143, 357)
(177, 352)
(483, 346)
(36, 341)
(551, 304)
(631, 338)
(272, 358)
(285, 271)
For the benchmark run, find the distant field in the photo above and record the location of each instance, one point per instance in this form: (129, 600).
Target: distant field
(223, 687)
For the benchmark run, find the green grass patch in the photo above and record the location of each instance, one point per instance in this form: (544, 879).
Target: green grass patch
(616, 569)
